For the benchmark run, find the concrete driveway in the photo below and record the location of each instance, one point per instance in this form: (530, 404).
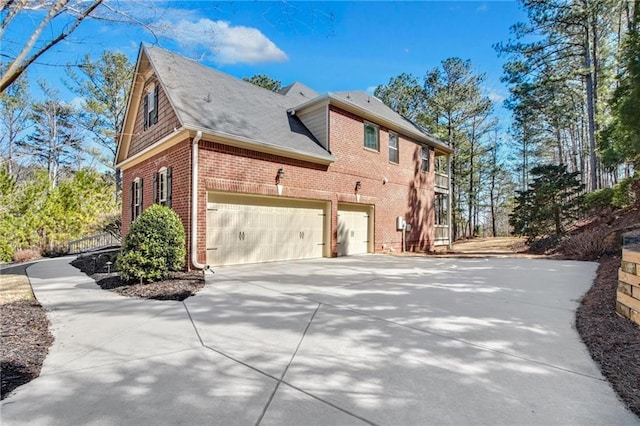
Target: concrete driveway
(360, 340)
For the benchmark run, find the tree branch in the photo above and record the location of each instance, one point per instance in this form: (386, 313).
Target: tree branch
(21, 62)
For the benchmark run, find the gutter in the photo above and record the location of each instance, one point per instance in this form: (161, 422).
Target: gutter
(261, 146)
(194, 204)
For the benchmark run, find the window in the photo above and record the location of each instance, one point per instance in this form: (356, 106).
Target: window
(441, 165)
(393, 148)
(425, 159)
(162, 187)
(440, 209)
(371, 136)
(136, 198)
(151, 107)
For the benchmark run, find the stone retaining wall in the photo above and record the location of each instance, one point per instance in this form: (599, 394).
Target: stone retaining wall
(628, 298)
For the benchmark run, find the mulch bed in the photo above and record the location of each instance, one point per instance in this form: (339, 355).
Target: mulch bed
(24, 343)
(178, 287)
(613, 341)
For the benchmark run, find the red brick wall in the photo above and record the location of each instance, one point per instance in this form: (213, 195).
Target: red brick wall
(179, 158)
(408, 192)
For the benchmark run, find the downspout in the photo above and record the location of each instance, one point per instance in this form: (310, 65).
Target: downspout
(194, 203)
(449, 202)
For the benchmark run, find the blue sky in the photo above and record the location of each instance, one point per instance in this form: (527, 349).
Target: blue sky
(329, 46)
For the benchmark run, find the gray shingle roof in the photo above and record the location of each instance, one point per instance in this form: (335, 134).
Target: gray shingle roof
(209, 100)
(300, 90)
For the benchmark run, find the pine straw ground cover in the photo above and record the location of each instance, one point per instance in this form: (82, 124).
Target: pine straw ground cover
(613, 341)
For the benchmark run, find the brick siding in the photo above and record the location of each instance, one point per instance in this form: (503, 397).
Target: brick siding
(408, 192)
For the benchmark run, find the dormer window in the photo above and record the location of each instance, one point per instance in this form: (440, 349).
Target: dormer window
(151, 106)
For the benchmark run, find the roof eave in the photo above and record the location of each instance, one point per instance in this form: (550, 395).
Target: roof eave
(126, 134)
(260, 146)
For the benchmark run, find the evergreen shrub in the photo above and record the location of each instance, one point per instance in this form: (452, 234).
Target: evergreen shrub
(154, 246)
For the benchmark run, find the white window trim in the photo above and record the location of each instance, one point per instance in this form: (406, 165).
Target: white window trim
(377, 129)
(137, 198)
(396, 148)
(162, 186)
(137, 192)
(428, 158)
(151, 102)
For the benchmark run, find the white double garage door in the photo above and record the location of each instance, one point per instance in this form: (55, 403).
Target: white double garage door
(252, 229)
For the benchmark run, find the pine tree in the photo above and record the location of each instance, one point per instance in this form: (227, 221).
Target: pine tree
(55, 141)
(104, 85)
(264, 81)
(552, 200)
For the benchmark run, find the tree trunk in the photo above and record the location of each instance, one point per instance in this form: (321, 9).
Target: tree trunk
(589, 83)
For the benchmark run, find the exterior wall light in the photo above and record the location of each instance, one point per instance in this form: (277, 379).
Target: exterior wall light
(279, 178)
(358, 188)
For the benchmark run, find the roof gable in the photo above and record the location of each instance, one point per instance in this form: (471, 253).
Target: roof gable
(300, 90)
(216, 103)
(207, 99)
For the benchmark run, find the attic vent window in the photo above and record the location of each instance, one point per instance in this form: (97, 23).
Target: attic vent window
(151, 107)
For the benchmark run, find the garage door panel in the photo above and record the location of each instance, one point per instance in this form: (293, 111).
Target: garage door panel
(353, 229)
(245, 230)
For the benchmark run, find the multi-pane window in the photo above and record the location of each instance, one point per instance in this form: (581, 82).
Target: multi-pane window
(440, 207)
(393, 148)
(441, 165)
(162, 187)
(425, 159)
(136, 198)
(151, 107)
(371, 136)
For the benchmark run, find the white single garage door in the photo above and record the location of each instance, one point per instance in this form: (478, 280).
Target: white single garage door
(354, 226)
(245, 229)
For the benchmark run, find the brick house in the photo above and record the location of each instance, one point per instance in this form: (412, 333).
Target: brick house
(260, 176)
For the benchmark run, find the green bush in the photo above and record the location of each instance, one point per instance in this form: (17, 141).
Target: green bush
(622, 193)
(600, 199)
(154, 246)
(6, 252)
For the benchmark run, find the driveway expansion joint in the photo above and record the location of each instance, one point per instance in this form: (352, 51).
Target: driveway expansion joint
(421, 330)
(275, 389)
(186, 308)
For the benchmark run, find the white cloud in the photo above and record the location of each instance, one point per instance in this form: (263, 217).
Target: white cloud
(495, 97)
(227, 43)
(77, 102)
(482, 8)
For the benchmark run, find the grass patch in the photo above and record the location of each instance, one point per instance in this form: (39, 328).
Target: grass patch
(15, 285)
